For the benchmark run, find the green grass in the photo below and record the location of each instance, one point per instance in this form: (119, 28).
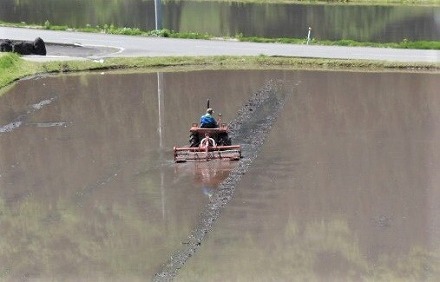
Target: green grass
(405, 44)
(13, 67)
(111, 29)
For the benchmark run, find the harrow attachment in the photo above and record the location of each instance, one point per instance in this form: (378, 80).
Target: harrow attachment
(207, 150)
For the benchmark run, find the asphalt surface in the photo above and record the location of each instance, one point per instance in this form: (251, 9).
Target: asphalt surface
(97, 46)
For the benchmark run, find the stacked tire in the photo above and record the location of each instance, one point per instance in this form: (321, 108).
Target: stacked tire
(36, 47)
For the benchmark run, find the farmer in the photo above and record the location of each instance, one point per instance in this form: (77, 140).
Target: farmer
(207, 120)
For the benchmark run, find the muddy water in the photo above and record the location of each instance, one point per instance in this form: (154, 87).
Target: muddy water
(345, 187)
(88, 188)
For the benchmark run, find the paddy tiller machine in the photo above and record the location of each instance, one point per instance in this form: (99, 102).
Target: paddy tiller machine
(208, 144)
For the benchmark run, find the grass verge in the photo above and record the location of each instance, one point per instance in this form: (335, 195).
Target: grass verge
(405, 44)
(13, 67)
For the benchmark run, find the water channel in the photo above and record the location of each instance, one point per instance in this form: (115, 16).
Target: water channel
(346, 185)
(328, 22)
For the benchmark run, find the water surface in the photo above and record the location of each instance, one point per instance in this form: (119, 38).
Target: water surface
(346, 185)
(88, 187)
(345, 189)
(328, 22)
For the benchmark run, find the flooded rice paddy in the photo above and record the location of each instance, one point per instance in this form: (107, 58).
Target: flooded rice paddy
(345, 186)
(371, 23)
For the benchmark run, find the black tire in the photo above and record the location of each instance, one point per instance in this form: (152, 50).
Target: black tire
(194, 140)
(224, 140)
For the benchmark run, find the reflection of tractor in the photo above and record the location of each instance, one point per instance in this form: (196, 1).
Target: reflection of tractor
(207, 144)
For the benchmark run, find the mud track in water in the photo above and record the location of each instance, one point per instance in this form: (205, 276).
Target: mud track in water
(250, 128)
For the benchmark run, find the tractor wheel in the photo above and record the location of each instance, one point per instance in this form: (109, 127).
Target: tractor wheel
(194, 140)
(224, 140)
(227, 141)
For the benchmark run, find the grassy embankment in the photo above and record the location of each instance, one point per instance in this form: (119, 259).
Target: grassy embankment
(13, 67)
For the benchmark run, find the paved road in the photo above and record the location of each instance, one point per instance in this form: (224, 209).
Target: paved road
(152, 46)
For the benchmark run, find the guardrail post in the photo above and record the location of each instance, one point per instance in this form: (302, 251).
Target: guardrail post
(308, 35)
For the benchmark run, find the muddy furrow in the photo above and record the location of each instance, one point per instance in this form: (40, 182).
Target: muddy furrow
(249, 129)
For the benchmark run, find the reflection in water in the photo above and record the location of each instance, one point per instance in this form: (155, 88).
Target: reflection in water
(343, 189)
(99, 198)
(18, 121)
(374, 23)
(83, 201)
(207, 175)
(346, 186)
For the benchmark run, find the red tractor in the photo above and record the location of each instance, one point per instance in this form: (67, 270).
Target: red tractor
(207, 144)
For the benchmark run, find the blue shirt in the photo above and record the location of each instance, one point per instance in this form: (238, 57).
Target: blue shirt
(208, 120)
